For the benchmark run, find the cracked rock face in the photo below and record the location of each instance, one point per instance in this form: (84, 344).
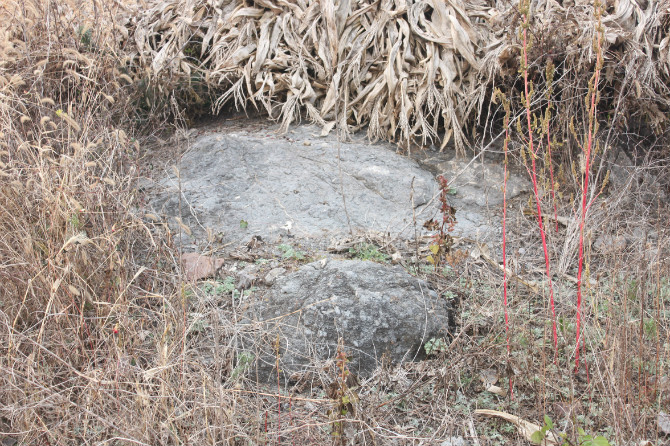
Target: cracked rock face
(237, 183)
(375, 309)
(292, 188)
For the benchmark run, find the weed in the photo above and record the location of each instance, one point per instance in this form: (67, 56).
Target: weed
(343, 395)
(587, 152)
(225, 286)
(435, 346)
(368, 251)
(532, 153)
(197, 323)
(582, 438)
(442, 242)
(244, 362)
(289, 252)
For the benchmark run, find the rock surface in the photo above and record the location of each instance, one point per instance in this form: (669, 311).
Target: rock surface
(241, 184)
(376, 310)
(476, 188)
(248, 181)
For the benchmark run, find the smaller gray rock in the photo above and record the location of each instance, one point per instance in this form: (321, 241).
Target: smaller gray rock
(607, 243)
(479, 184)
(376, 310)
(636, 181)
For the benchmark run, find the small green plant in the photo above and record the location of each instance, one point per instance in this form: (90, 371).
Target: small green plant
(244, 361)
(220, 287)
(225, 286)
(435, 346)
(85, 35)
(197, 323)
(539, 436)
(583, 439)
(74, 221)
(368, 251)
(650, 328)
(289, 252)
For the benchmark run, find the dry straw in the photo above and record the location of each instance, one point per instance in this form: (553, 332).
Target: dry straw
(404, 70)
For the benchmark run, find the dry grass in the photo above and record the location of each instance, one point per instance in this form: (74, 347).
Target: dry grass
(405, 71)
(102, 342)
(75, 303)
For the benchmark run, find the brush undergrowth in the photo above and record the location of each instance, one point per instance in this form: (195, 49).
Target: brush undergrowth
(92, 342)
(102, 342)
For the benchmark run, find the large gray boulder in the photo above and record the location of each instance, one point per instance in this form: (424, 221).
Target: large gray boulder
(377, 310)
(290, 188)
(237, 182)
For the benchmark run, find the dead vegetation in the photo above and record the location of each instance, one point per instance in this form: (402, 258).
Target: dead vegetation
(407, 71)
(102, 341)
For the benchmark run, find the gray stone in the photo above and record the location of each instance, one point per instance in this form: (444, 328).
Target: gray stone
(631, 182)
(242, 184)
(477, 191)
(608, 244)
(479, 183)
(376, 309)
(245, 281)
(663, 422)
(245, 182)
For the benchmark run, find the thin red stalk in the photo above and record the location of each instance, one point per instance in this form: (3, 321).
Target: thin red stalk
(278, 396)
(504, 246)
(535, 190)
(183, 338)
(587, 165)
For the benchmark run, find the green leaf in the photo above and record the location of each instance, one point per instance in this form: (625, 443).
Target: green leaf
(244, 224)
(586, 440)
(537, 436)
(600, 441)
(548, 423)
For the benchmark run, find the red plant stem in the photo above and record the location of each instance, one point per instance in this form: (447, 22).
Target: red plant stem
(535, 191)
(183, 338)
(278, 397)
(587, 162)
(504, 247)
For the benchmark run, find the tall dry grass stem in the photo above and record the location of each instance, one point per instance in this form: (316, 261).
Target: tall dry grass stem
(524, 9)
(594, 95)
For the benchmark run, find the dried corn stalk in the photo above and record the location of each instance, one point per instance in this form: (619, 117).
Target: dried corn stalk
(407, 70)
(404, 69)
